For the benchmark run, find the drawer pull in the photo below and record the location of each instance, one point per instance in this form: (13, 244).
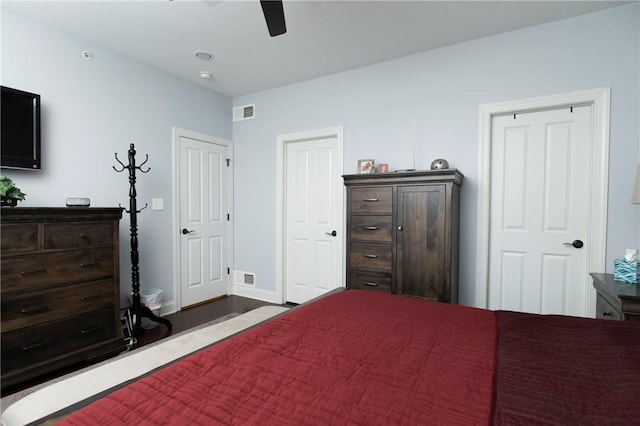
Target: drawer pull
(371, 200)
(88, 265)
(370, 284)
(35, 271)
(36, 345)
(33, 309)
(606, 314)
(85, 298)
(90, 330)
(371, 256)
(83, 235)
(370, 228)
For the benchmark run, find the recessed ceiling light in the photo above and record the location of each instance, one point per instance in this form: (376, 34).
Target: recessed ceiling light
(205, 56)
(205, 74)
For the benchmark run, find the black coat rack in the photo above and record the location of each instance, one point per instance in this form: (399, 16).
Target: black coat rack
(137, 310)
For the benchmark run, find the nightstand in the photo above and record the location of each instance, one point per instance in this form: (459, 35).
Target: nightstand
(616, 300)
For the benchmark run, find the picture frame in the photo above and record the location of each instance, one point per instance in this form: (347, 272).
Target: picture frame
(366, 166)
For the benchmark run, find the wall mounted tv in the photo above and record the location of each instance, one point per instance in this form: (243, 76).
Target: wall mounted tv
(20, 131)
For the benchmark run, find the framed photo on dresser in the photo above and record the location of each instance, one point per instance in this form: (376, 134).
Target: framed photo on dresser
(366, 166)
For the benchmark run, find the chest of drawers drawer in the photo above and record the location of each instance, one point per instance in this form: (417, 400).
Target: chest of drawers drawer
(371, 228)
(371, 200)
(604, 310)
(33, 308)
(31, 272)
(27, 346)
(368, 280)
(19, 237)
(77, 235)
(371, 256)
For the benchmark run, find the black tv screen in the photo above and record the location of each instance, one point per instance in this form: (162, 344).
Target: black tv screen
(20, 131)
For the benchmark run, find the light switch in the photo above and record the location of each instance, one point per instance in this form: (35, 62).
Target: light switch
(157, 204)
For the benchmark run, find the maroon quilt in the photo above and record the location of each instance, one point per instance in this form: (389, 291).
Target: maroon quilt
(366, 358)
(558, 370)
(354, 357)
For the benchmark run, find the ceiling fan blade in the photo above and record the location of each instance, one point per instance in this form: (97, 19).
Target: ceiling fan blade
(274, 15)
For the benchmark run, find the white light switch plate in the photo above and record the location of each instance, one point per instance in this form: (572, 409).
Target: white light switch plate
(157, 204)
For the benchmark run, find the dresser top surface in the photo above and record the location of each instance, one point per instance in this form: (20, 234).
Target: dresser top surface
(441, 175)
(54, 214)
(621, 289)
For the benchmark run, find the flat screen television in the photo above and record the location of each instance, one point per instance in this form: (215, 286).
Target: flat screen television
(20, 131)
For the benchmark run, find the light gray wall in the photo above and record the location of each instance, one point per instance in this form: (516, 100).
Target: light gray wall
(431, 100)
(93, 109)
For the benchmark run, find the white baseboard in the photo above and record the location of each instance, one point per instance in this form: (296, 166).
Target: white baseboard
(256, 293)
(168, 308)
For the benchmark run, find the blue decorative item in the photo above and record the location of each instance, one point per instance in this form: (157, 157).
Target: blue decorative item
(627, 271)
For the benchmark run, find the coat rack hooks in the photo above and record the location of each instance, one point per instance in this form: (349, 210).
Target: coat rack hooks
(137, 310)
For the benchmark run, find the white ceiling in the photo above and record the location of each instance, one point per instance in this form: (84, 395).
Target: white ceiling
(323, 37)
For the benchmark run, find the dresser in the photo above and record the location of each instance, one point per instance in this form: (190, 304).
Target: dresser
(403, 231)
(60, 288)
(616, 300)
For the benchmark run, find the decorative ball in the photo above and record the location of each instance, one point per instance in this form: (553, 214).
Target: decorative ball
(440, 163)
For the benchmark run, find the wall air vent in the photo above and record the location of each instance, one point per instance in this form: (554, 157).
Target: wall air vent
(244, 112)
(244, 278)
(249, 279)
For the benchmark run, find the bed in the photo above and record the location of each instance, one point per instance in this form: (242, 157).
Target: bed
(363, 358)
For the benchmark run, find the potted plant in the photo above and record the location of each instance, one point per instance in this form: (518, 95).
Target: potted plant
(9, 192)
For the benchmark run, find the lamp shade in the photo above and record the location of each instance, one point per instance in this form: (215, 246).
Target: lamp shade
(635, 196)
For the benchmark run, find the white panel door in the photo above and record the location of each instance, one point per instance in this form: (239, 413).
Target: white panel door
(539, 207)
(204, 206)
(314, 193)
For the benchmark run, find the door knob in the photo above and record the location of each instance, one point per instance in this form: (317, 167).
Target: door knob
(332, 233)
(185, 231)
(576, 243)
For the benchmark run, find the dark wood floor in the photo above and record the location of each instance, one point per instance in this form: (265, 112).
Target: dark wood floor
(180, 321)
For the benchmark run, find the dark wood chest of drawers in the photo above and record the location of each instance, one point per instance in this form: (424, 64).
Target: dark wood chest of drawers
(60, 288)
(402, 233)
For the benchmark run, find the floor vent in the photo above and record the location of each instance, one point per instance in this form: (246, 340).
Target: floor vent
(244, 112)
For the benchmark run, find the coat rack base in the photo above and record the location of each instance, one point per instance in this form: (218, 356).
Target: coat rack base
(142, 311)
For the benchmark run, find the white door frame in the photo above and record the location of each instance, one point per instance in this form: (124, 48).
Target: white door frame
(177, 134)
(599, 99)
(282, 140)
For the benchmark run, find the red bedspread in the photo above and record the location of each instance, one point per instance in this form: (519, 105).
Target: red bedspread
(354, 357)
(365, 358)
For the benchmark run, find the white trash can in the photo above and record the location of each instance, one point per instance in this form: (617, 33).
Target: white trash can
(152, 299)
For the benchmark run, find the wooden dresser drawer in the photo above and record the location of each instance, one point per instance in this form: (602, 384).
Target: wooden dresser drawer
(378, 281)
(38, 307)
(604, 310)
(28, 346)
(371, 228)
(19, 237)
(371, 256)
(77, 235)
(31, 272)
(371, 200)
